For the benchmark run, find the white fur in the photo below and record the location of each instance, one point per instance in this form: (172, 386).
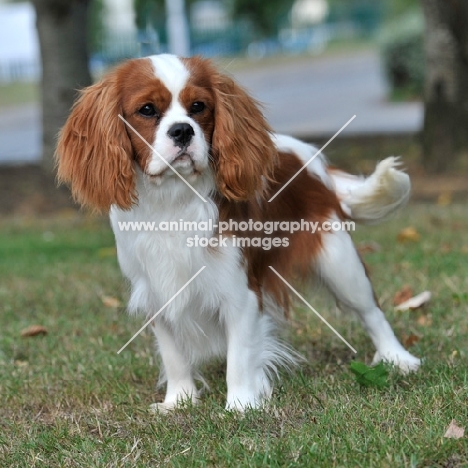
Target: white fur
(171, 71)
(353, 291)
(217, 315)
(365, 199)
(376, 197)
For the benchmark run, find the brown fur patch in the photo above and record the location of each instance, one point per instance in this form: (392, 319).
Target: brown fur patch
(305, 198)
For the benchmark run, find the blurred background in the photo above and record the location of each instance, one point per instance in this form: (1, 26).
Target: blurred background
(400, 66)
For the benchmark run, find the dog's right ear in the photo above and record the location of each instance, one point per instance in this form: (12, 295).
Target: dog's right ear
(94, 153)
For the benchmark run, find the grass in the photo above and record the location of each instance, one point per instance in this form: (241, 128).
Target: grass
(13, 94)
(68, 399)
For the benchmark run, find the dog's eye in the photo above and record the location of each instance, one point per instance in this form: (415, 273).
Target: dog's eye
(148, 110)
(197, 107)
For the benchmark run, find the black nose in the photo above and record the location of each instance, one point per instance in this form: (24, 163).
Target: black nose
(181, 133)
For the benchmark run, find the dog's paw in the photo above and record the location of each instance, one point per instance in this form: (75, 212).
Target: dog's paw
(237, 407)
(162, 408)
(187, 401)
(241, 405)
(403, 360)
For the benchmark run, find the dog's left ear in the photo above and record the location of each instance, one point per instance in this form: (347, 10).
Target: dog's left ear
(242, 148)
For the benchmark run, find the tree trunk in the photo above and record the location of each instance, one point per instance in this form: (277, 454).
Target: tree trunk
(445, 134)
(62, 29)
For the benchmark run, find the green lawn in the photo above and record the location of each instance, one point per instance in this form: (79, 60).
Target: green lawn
(69, 400)
(16, 93)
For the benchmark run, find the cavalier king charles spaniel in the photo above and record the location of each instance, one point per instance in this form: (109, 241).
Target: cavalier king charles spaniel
(164, 139)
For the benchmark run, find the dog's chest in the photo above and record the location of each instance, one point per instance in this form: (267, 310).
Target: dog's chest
(162, 266)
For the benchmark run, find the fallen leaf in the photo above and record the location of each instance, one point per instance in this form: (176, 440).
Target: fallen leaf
(454, 431)
(112, 302)
(408, 234)
(402, 295)
(33, 330)
(444, 199)
(445, 248)
(368, 247)
(450, 331)
(410, 340)
(20, 363)
(424, 320)
(415, 302)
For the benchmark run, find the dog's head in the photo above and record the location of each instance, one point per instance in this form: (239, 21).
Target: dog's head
(159, 111)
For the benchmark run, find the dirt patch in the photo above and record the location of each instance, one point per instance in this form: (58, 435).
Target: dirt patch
(27, 190)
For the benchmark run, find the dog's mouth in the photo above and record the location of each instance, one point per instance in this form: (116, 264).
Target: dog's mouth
(184, 164)
(183, 159)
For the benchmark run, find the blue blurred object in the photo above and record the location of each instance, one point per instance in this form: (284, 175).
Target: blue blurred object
(313, 39)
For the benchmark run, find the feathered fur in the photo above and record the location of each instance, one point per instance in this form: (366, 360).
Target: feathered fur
(192, 145)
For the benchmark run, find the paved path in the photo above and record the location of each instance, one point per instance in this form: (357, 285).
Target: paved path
(317, 97)
(302, 97)
(20, 134)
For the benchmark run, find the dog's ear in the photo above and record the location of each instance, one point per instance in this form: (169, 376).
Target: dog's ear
(94, 153)
(242, 148)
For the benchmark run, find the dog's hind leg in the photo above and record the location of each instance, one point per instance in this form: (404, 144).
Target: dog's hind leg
(344, 274)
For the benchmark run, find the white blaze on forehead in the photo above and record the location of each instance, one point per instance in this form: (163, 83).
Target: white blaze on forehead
(171, 71)
(174, 75)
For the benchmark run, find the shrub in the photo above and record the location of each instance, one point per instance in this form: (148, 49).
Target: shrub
(402, 51)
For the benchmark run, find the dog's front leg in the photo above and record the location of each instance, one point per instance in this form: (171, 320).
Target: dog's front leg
(247, 334)
(177, 370)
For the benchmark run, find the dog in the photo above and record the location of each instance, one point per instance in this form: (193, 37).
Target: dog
(164, 139)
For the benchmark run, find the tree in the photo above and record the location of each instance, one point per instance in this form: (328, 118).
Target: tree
(62, 27)
(96, 28)
(149, 12)
(445, 134)
(266, 15)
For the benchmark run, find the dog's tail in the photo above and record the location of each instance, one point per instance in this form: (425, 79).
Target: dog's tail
(364, 199)
(372, 199)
